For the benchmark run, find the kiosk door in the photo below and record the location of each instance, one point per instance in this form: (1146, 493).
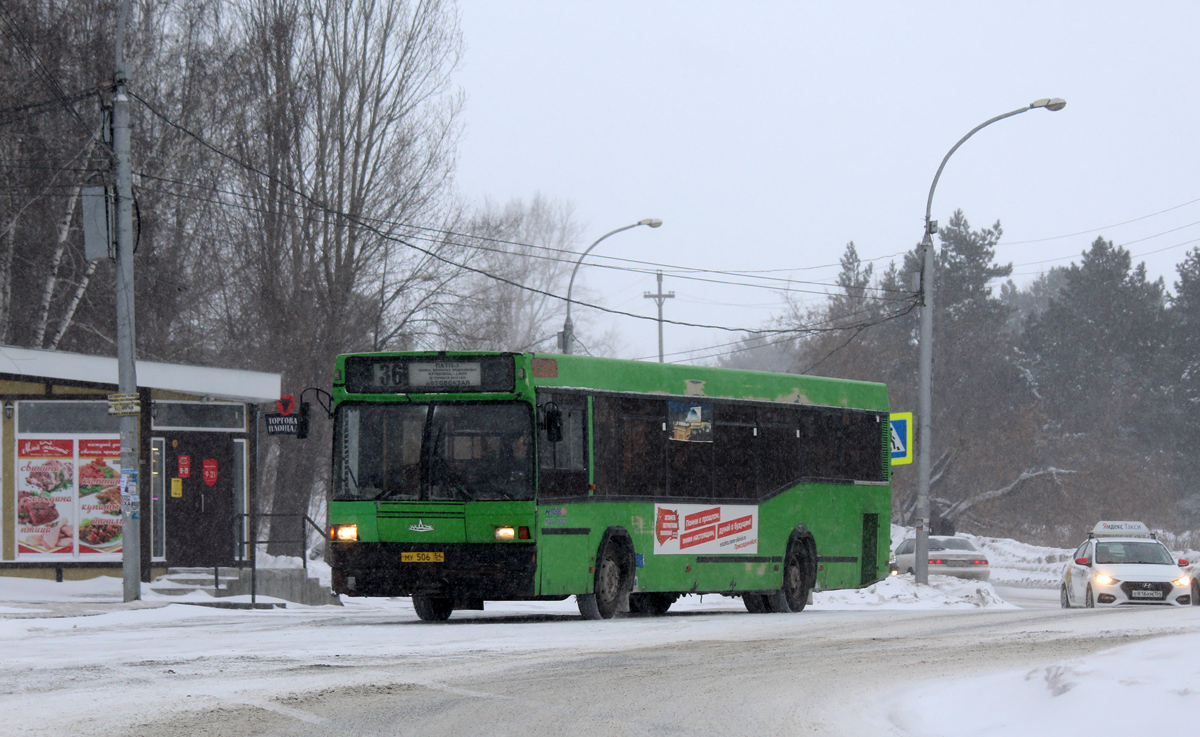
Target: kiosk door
(199, 498)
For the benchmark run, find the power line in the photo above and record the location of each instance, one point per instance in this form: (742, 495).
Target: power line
(37, 108)
(568, 256)
(450, 262)
(858, 328)
(39, 69)
(626, 269)
(1106, 227)
(1119, 245)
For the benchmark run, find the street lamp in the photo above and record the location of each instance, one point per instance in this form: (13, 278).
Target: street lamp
(566, 340)
(925, 402)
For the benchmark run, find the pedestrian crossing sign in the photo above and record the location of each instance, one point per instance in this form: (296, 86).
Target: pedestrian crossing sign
(902, 433)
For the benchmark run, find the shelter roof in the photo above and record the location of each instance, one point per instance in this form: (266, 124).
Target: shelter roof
(218, 383)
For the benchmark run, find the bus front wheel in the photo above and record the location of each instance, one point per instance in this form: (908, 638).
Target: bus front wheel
(433, 608)
(610, 582)
(794, 594)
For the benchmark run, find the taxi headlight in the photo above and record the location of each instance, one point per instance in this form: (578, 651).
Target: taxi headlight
(1184, 580)
(344, 533)
(1104, 579)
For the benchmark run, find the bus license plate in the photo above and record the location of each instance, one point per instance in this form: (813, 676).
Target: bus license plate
(422, 557)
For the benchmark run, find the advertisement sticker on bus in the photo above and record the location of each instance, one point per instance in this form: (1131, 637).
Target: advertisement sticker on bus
(704, 529)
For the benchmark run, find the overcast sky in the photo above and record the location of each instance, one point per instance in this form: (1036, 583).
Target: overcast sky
(766, 135)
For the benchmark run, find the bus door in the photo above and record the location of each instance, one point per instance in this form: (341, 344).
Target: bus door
(564, 546)
(870, 549)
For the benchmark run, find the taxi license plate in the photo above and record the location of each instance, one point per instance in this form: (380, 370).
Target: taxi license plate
(1139, 594)
(422, 557)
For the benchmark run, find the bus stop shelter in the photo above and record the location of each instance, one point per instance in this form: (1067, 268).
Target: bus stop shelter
(60, 462)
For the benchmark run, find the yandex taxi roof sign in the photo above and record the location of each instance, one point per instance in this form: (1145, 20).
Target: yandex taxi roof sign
(1121, 529)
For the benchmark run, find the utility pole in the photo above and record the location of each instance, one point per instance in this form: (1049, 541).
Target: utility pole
(659, 297)
(131, 560)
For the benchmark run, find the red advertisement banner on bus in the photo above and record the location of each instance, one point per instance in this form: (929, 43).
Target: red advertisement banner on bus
(705, 529)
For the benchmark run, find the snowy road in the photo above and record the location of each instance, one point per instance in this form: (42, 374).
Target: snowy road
(529, 669)
(1027, 598)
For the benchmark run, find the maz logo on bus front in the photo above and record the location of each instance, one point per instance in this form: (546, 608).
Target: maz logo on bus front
(421, 527)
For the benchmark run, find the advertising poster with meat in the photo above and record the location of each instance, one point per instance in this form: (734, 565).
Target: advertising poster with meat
(45, 497)
(705, 529)
(99, 496)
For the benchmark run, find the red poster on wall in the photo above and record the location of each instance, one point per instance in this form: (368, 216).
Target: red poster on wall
(210, 471)
(45, 496)
(99, 496)
(185, 467)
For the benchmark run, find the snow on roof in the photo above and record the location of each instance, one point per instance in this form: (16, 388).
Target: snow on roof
(219, 383)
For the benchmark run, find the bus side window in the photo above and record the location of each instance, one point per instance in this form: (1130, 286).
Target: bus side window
(643, 447)
(779, 449)
(563, 465)
(735, 452)
(821, 444)
(863, 446)
(607, 445)
(690, 449)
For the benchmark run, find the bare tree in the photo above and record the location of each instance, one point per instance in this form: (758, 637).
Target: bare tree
(528, 244)
(348, 123)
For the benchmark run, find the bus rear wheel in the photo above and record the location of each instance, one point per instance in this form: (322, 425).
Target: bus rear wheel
(755, 603)
(610, 582)
(433, 608)
(653, 604)
(793, 595)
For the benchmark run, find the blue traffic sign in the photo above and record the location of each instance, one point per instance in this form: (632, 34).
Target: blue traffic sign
(902, 433)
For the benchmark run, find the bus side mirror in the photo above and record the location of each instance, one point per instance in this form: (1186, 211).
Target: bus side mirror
(554, 423)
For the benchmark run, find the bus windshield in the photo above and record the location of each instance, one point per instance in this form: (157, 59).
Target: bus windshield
(436, 452)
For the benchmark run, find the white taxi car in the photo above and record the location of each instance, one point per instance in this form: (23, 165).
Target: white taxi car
(1123, 563)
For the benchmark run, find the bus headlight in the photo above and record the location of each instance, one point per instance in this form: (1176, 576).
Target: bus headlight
(505, 533)
(344, 533)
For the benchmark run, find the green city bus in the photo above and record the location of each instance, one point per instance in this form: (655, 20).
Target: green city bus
(461, 477)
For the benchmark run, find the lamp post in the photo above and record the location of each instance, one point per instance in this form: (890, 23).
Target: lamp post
(566, 339)
(925, 401)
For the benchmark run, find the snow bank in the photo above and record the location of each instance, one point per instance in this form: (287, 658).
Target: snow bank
(1020, 564)
(101, 589)
(1012, 563)
(902, 592)
(317, 569)
(1118, 691)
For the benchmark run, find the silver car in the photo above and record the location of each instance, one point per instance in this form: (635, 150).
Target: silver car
(948, 556)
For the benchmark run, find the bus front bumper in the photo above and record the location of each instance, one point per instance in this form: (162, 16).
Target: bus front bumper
(494, 571)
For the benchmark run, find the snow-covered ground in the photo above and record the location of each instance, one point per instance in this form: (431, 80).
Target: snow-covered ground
(1118, 691)
(69, 645)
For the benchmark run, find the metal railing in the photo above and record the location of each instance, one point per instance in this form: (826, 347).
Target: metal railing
(247, 523)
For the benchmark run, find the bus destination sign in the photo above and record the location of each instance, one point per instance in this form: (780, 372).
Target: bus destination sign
(444, 374)
(429, 375)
